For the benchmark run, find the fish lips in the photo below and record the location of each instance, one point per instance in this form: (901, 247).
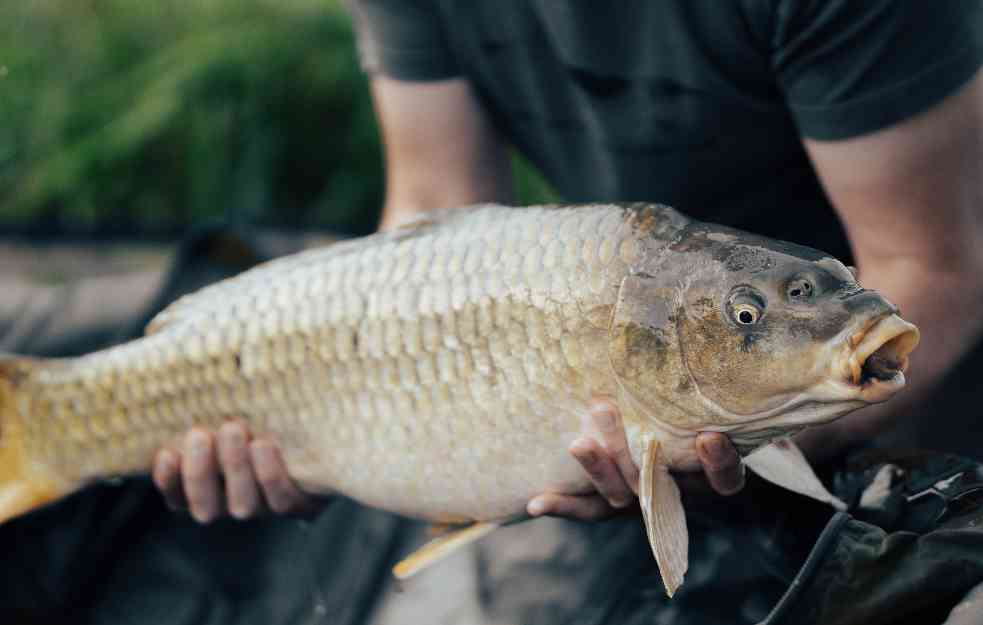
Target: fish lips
(877, 357)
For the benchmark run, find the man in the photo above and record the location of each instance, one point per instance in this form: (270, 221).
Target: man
(804, 121)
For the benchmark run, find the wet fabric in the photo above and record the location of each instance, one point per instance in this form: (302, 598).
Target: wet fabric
(910, 552)
(117, 555)
(697, 104)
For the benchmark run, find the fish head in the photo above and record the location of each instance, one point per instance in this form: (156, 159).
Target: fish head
(756, 331)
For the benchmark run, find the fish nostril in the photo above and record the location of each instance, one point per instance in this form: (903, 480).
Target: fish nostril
(800, 289)
(865, 302)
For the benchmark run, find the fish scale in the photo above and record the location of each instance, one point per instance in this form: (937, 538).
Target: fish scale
(371, 364)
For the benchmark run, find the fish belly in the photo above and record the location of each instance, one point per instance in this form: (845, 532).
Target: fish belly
(440, 371)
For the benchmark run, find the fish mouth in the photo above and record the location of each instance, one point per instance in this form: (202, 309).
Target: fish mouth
(876, 365)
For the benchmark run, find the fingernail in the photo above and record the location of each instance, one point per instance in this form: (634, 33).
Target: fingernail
(583, 449)
(714, 449)
(232, 433)
(203, 516)
(604, 418)
(263, 452)
(536, 507)
(619, 502)
(166, 461)
(198, 442)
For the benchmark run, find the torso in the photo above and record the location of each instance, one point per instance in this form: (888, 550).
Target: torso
(671, 101)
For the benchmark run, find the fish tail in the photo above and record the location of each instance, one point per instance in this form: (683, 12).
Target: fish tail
(24, 486)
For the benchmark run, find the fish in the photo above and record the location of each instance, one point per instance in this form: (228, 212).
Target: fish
(441, 370)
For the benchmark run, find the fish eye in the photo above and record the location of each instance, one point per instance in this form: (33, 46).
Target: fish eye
(799, 289)
(746, 306)
(746, 314)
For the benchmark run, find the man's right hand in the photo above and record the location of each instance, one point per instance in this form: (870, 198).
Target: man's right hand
(212, 475)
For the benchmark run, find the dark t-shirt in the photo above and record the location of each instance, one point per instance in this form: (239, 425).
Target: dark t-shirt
(695, 103)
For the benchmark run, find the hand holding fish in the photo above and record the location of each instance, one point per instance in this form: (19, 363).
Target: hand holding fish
(231, 473)
(228, 472)
(615, 476)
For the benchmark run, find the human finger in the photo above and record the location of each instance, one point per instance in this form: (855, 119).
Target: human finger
(241, 489)
(582, 507)
(607, 420)
(200, 473)
(167, 477)
(603, 471)
(282, 495)
(721, 462)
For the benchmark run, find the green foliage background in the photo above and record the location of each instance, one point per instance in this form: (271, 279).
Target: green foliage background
(141, 117)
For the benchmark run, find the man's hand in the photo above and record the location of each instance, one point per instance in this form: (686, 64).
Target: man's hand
(615, 476)
(228, 473)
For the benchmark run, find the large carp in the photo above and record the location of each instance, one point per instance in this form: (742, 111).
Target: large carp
(441, 371)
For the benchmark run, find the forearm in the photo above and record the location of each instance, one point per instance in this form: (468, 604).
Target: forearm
(910, 198)
(441, 150)
(404, 203)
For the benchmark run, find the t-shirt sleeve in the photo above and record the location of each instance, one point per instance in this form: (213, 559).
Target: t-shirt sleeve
(850, 67)
(403, 39)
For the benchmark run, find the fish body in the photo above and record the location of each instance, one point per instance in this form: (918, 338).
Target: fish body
(441, 371)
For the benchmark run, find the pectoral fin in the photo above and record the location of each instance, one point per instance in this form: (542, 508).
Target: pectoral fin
(783, 463)
(441, 547)
(665, 521)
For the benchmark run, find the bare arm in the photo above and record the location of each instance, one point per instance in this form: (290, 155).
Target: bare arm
(911, 198)
(441, 151)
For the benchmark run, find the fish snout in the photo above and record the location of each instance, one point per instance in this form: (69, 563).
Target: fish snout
(877, 353)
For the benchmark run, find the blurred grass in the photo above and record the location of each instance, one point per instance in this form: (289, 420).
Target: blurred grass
(127, 118)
